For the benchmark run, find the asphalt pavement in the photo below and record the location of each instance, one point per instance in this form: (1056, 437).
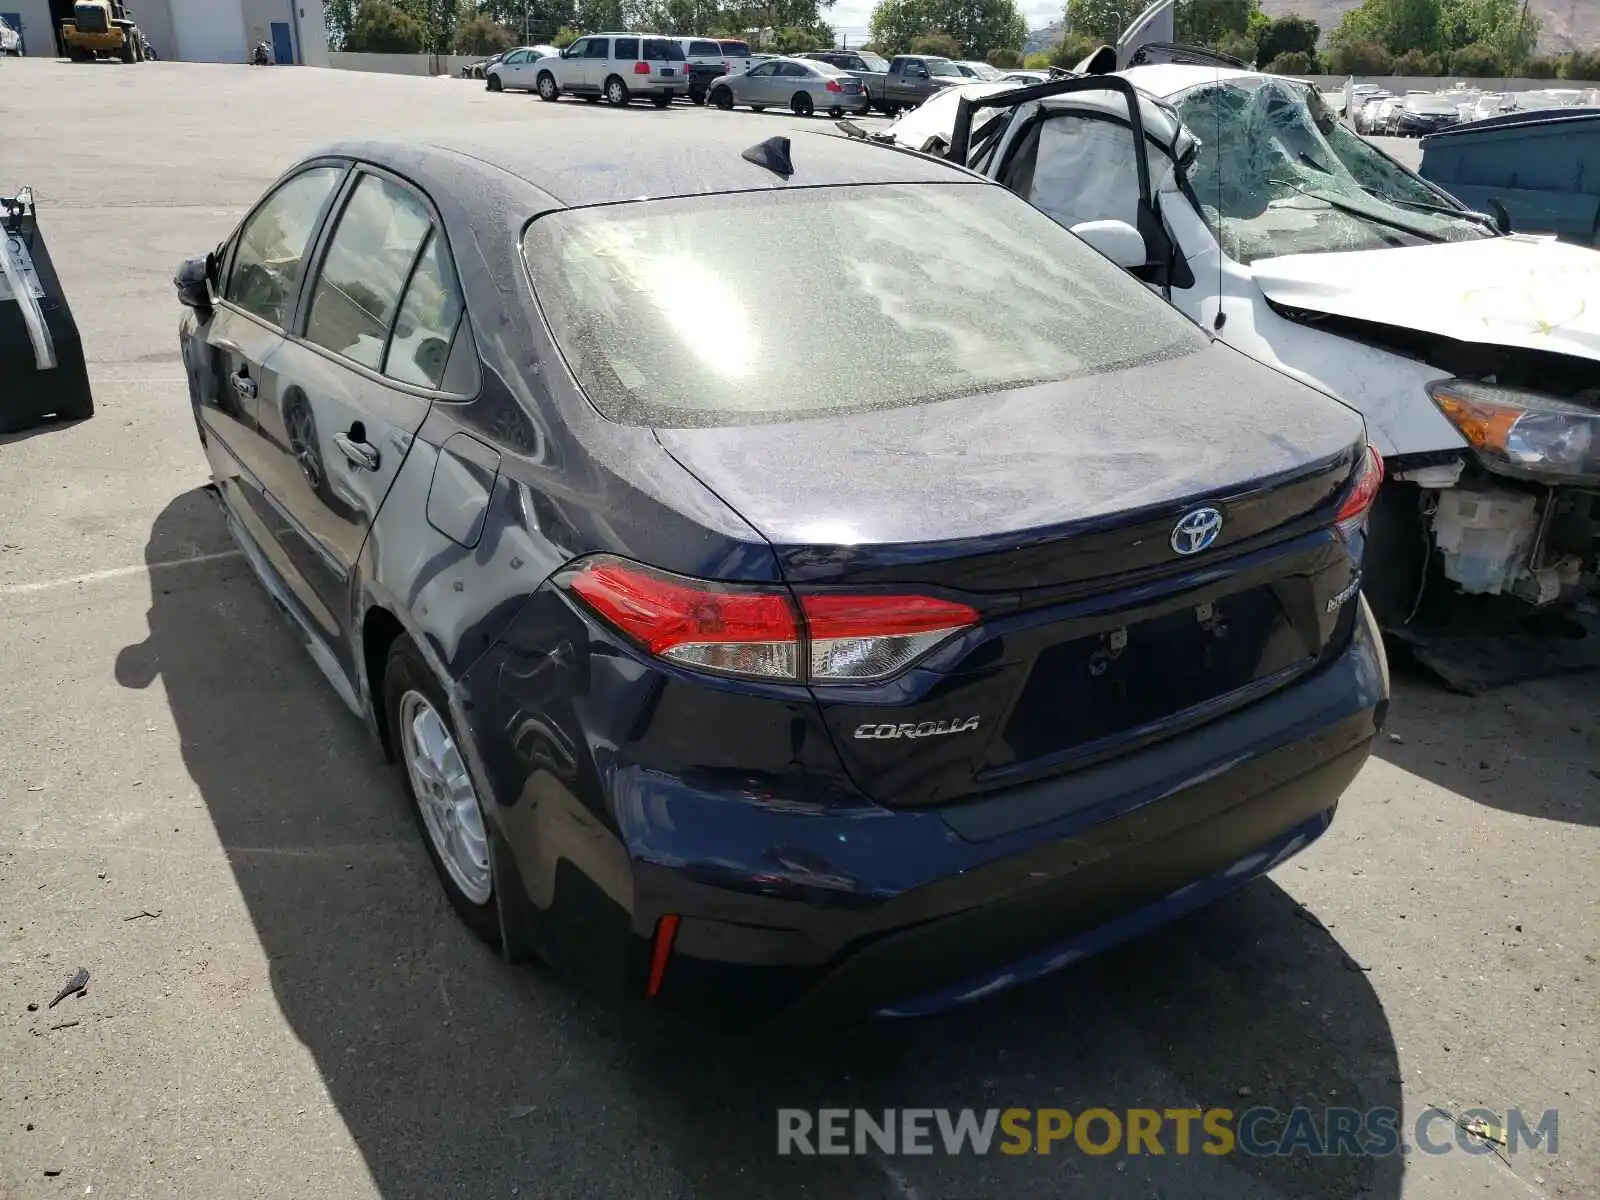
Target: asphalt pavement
(281, 1003)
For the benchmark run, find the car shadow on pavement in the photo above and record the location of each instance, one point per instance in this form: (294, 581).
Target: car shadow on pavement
(458, 1075)
(1529, 748)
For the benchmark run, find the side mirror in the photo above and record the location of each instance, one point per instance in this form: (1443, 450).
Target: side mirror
(193, 281)
(1117, 240)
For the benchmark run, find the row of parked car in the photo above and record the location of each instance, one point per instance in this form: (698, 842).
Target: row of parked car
(622, 67)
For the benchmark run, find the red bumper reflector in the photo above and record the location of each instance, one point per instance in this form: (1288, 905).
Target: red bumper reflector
(666, 930)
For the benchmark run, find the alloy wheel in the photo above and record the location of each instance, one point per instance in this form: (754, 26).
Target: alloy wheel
(445, 796)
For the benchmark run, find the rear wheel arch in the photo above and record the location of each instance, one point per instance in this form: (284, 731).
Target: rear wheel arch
(380, 629)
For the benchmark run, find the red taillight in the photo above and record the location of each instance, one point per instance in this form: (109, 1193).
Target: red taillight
(754, 630)
(640, 68)
(661, 952)
(1352, 516)
(833, 86)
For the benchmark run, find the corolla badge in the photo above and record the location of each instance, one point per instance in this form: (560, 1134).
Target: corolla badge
(919, 729)
(1196, 530)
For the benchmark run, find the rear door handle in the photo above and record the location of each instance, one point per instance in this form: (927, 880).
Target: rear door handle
(244, 385)
(360, 454)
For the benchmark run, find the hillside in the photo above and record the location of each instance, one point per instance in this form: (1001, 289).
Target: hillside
(1565, 24)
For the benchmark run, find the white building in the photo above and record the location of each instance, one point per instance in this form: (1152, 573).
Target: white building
(193, 30)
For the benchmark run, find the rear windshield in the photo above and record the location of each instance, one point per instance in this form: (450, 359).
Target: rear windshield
(661, 50)
(763, 306)
(736, 49)
(710, 48)
(874, 63)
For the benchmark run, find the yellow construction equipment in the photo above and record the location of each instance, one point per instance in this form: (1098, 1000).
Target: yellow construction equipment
(102, 28)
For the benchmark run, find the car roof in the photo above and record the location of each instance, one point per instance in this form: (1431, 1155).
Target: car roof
(1168, 79)
(675, 159)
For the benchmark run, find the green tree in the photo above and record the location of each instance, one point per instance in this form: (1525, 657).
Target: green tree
(1584, 67)
(1204, 22)
(1502, 25)
(1361, 57)
(1072, 49)
(1004, 59)
(600, 14)
(564, 37)
(337, 17)
(938, 42)
(1102, 20)
(975, 26)
(1038, 61)
(793, 40)
(480, 34)
(383, 28)
(437, 20)
(1293, 62)
(1477, 61)
(1236, 45)
(1417, 62)
(1399, 25)
(1287, 35)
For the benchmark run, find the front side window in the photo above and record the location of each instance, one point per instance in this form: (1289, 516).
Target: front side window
(368, 260)
(1271, 182)
(597, 48)
(667, 315)
(578, 49)
(1078, 169)
(515, 57)
(266, 267)
(427, 322)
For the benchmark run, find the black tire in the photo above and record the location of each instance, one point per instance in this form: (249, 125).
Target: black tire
(836, 112)
(661, 101)
(407, 671)
(546, 85)
(128, 54)
(722, 97)
(758, 108)
(800, 105)
(616, 92)
(889, 110)
(864, 112)
(494, 85)
(697, 98)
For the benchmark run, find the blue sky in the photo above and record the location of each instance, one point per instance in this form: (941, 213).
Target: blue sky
(851, 16)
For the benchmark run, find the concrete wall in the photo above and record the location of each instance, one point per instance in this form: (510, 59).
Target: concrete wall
(1400, 84)
(155, 22)
(38, 36)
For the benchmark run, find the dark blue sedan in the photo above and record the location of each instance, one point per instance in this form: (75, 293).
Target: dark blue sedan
(787, 576)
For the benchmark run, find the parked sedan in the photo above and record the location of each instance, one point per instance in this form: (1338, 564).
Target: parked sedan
(801, 85)
(731, 671)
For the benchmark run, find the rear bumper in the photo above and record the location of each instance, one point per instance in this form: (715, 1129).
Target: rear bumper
(843, 910)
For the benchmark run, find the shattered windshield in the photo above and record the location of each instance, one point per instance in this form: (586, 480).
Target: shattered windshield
(1274, 179)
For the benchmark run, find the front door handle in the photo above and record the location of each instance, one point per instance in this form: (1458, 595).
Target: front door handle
(244, 385)
(360, 454)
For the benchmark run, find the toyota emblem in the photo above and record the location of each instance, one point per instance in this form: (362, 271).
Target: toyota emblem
(1196, 530)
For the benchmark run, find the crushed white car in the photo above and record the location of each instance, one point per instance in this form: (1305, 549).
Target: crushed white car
(1471, 352)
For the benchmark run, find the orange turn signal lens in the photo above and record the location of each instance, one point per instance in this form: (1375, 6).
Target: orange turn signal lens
(1484, 423)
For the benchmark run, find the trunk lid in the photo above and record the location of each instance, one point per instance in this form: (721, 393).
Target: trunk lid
(1051, 510)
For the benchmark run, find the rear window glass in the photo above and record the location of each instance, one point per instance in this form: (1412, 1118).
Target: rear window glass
(710, 48)
(736, 49)
(763, 306)
(661, 50)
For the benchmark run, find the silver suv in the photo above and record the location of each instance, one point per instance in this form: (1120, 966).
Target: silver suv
(615, 67)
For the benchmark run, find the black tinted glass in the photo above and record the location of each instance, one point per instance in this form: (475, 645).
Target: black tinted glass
(661, 50)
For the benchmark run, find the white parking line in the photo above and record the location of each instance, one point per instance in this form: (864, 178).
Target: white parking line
(19, 589)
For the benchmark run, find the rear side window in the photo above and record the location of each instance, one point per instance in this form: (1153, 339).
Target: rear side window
(793, 69)
(426, 326)
(736, 49)
(628, 48)
(661, 50)
(732, 309)
(266, 267)
(368, 260)
(710, 49)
